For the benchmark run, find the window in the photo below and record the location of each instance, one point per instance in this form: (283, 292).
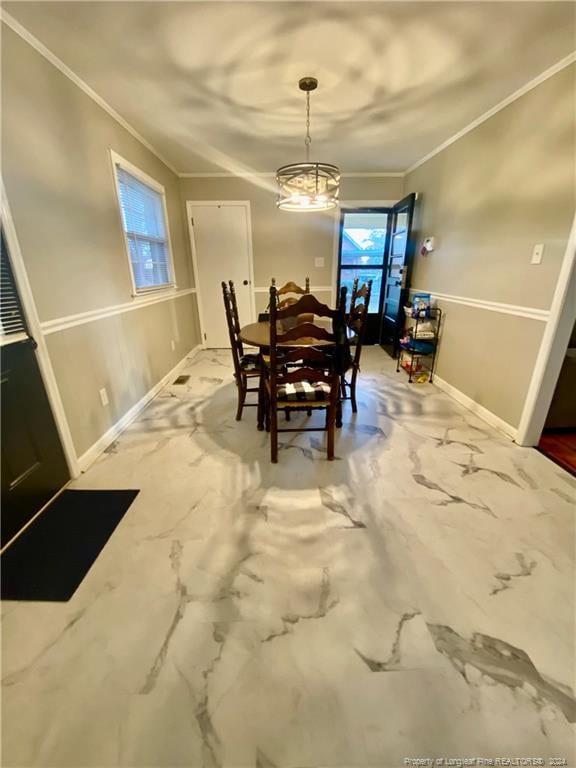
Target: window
(143, 207)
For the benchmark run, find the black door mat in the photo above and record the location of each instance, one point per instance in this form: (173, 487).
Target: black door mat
(49, 560)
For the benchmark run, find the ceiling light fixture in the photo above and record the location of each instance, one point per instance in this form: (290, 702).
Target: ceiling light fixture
(308, 186)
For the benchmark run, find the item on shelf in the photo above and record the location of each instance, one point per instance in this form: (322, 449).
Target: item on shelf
(409, 321)
(421, 304)
(426, 330)
(419, 342)
(419, 347)
(407, 365)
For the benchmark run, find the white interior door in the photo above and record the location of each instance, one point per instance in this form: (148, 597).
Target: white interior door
(222, 250)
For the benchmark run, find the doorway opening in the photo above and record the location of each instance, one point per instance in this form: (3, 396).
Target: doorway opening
(363, 245)
(558, 439)
(377, 244)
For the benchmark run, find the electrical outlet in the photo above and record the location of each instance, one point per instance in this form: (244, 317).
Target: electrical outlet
(537, 253)
(319, 261)
(173, 345)
(103, 396)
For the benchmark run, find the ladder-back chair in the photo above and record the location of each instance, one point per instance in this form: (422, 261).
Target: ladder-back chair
(246, 366)
(356, 322)
(288, 290)
(303, 375)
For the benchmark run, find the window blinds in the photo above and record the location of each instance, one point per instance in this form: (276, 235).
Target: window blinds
(11, 315)
(143, 217)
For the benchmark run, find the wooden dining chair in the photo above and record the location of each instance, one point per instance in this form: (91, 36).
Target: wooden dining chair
(303, 376)
(246, 366)
(356, 321)
(290, 288)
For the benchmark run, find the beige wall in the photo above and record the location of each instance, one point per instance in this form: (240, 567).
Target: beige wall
(285, 244)
(127, 353)
(57, 172)
(488, 199)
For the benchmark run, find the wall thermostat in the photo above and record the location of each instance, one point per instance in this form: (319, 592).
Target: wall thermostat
(427, 246)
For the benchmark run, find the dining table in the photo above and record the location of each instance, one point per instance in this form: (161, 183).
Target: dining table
(258, 335)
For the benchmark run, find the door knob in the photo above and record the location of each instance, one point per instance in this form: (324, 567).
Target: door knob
(245, 282)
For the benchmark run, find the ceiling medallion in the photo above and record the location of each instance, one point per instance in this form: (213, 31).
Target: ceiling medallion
(308, 186)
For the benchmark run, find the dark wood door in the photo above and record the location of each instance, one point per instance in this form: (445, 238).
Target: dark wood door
(397, 273)
(34, 468)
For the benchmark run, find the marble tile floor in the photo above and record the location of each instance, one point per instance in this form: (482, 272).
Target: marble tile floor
(414, 598)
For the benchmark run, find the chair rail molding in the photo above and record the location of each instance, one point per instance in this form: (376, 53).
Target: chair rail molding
(70, 321)
(533, 313)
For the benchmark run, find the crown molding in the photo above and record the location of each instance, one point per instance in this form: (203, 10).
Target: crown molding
(542, 77)
(373, 175)
(226, 175)
(20, 30)
(272, 175)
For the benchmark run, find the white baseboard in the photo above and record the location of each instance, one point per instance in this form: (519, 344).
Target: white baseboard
(90, 456)
(476, 408)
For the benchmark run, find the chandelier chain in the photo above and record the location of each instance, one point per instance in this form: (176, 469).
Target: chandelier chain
(307, 186)
(308, 139)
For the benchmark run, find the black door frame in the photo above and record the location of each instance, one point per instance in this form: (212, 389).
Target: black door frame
(408, 203)
(374, 319)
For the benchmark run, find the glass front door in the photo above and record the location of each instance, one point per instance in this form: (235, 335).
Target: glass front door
(364, 235)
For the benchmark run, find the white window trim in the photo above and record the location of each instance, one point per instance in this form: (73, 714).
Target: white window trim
(139, 293)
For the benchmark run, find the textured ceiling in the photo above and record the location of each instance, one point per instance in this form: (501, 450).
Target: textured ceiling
(213, 85)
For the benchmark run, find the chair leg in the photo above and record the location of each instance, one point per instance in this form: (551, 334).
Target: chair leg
(331, 419)
(241, 384)
(287, 413)
(343, 386)
(261, 403)
(273, 433)
(353, 390)
(339, 414)
(266, 409)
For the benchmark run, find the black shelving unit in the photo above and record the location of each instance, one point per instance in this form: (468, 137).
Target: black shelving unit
(418, 355)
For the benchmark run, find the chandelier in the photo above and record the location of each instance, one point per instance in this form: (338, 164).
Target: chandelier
(308, 186)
